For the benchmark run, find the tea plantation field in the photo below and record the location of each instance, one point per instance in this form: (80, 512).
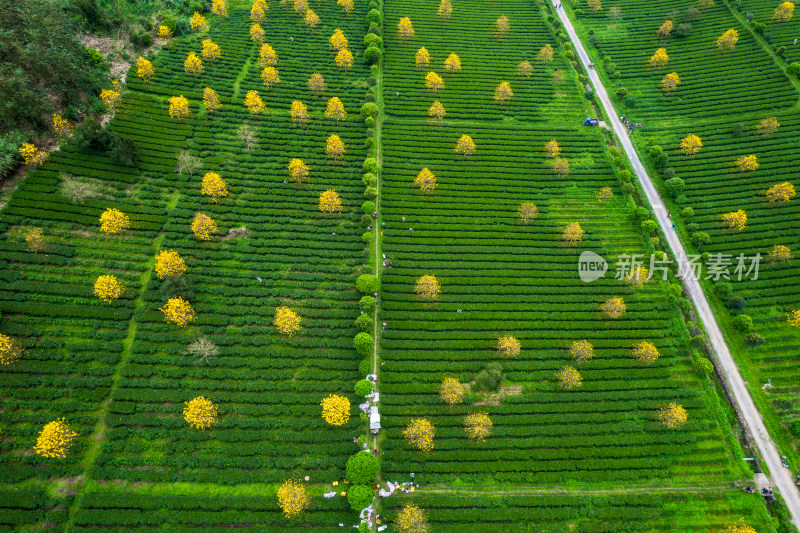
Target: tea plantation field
(713, 185)
(598, 456)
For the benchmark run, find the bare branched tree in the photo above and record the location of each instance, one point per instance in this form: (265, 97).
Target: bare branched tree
(203, 349)
(248, 135)
(75, 190)
(188, 163)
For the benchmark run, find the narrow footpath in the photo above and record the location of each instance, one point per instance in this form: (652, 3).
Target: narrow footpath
(780, 476)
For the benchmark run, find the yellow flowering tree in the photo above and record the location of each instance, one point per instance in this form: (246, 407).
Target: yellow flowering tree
(60, 125)
(211, 100)
(727, 41)
(334, 147)
(427, 287)
(739, 527)
(465, 146)
(257, 12)
(338, 41)
(445, 9)
(527, 211)
(422, 58)
(254, 103)
(169, 264)
(659, 59)
(783, 12)
(604, 194)
(335, 410)
(595, 5)
(32, 155)
(502, 25)
(412, 519)
(164, 33)
(347, 5)
(108, 288)
(779, 253)
(794, 318)
(330, 202)
(747, 163)
(670, 82)
(452, 64)
(293, 498)
(299, 113)
(525, 69)
(10, 350)
(569, 378)
(637, 277)
(257, 33)
(508, 346)
(335, 109)
(405, 29)
(267, 56)
(503, 93)
(211, 50)
(110, 98)
(551, 149)
(546, 53)
(691, 144)
(114, 221)
(560, 167)
(768, 126)
(672, 416)
(179, 107)
(316, 84)
(193, 65)
(781, 192)
(144, 69)
(200, 413)
(645, 352)
(451, 391)
(573, 234)
(436, 111)
(311, 19)
(298, 170)
(214, 186)
(665, 29)
(270, 77)
(55, 440)
(287, 321)
(736, 220)
(198, 22)
(178, 311)
(220, 8)
(434, 82)
(203, 227)
(478, 426)
(614, 307)
(300, 6)
(581, 351)
(425, 180)
(419, 433)
(344, 58)
(35, 240)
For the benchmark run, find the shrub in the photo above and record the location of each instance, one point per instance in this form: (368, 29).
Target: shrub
(360, 496)
(362, 388)
(367, 304)
(371, 39)
(687, 212)
(794, 428)
(370, 193)
(737, 303)
(365, 366)
(370, 164)
(490, 378)
(369, 110)
(364, 343)
(369, 179)
(753, 340)
(793, 69)
(705, 366)
(743, 323)
(9, 151)
(372, 54)
(625, 175)
(370, 123)
(675, 186)
(362, 468)
(368, 207)
(367, 283)
(723, 289)
(365, 323)
(94, 59)
(374, 17)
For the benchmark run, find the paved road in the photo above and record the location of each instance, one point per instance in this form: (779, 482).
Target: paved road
(781, 477)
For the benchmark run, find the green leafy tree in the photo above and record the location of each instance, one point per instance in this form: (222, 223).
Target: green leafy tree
(362, 468)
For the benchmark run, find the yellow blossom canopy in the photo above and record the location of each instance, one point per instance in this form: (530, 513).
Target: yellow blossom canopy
(200, 413)
(335, 410)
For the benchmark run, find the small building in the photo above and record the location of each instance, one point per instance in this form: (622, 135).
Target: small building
(374, 422)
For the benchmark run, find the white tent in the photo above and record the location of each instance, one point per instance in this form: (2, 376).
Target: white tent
(374, 421)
